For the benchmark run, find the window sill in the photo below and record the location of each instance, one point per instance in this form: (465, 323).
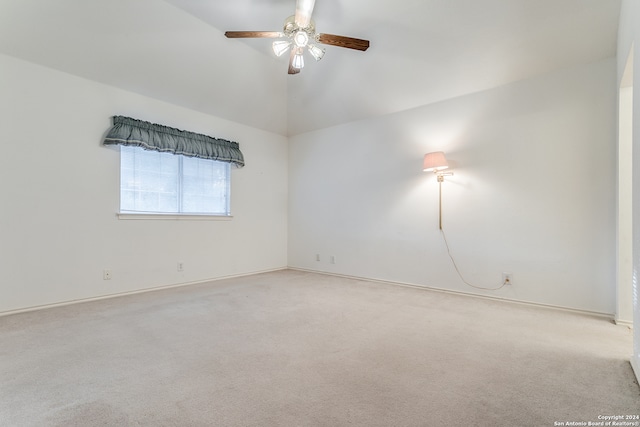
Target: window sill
(173, 216)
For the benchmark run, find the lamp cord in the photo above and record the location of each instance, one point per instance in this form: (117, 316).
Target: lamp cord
(458, 270)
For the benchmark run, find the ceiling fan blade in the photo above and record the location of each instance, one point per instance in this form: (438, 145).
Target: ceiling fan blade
(292, 69)
(253, 34)
(342, 41)
(304, 9)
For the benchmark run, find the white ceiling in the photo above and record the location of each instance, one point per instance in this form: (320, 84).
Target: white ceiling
(422, 51)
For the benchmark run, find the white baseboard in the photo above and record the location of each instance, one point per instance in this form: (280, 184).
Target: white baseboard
(139, 291)
(626, 323)
(608, 316)
(388, 282)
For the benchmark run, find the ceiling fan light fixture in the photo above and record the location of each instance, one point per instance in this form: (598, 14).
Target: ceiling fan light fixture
(301, 38)
(299, 32)
(280, 47)
(316, 52)
(298, 61)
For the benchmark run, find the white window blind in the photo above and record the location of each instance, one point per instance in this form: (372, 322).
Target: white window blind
(155, 182)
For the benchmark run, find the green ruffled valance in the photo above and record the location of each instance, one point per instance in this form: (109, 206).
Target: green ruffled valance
(150, 136)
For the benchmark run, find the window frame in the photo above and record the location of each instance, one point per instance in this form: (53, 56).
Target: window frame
(143, 215)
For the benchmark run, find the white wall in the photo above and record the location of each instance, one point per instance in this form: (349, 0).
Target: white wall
(533, 192)
(628, 39)
(60, 195)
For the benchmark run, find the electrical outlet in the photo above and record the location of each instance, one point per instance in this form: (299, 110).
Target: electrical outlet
(106, 274)
(180, 266)
(317, 257)
(332, 259)
(507, 278)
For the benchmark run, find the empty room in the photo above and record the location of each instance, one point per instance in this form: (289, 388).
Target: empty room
(319, 213)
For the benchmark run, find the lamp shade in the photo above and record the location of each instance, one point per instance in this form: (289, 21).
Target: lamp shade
(280, 46)
(435, 161)
(316, 52)
(298, 61)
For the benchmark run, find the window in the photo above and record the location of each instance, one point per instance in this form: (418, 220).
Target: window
(165, 170)
(156, 182)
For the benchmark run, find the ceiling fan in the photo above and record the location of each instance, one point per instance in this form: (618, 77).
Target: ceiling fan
(300, 33)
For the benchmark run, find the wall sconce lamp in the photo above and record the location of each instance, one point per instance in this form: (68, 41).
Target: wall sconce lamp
(436, 162)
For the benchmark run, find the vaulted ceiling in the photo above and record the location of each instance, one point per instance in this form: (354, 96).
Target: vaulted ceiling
(422, 51)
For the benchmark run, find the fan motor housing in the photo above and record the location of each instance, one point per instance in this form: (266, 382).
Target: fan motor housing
(291, 28)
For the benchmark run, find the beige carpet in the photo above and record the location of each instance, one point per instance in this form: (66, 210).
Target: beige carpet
(299, 349)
